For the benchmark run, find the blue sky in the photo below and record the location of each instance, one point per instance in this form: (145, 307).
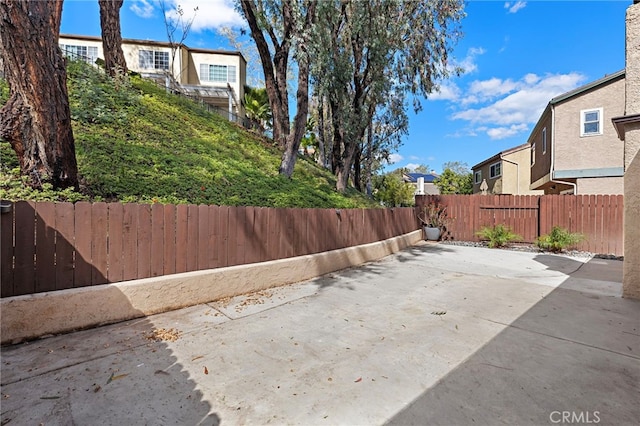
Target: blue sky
(517, 56)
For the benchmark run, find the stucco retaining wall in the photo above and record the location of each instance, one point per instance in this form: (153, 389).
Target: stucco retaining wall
(36, 315)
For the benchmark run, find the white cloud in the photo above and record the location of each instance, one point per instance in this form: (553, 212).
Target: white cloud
(524, 101)
(211, 14)
(412, 166)
(142, 8)
(513, 7)
(447, 91)
(506, 132)
(395, 158)
(506, 107)
(468, 64)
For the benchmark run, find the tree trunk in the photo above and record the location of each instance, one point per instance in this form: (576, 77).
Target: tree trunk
(322, 159)
(114, 62)
(302, 104)
(357, 164)
(369, 159)
(299, 122)
(275, 69)
(36, 119)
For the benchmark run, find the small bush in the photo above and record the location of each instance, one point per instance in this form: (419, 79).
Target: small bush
(434, 216)
(498, 236)
(559, 239)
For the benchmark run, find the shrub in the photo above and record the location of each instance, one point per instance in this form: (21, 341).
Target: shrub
(558, 239)
(434, 216)
(498, 235)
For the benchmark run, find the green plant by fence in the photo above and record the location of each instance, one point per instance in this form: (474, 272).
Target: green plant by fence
(47, 246)
(597, 217)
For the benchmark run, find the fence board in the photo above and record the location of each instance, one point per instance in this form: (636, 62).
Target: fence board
(192, 237)
(82, 274)
(45, 247)
(252, 235)
(25, 217)
(182, 237)
(203, 237)
(211, 258)
(286, 233)
(144, 240)
(617, 223)
(272, 241)
(129, 242)
(222, 236)
(301, 232)
(6, 252)
(590, 229)
(233, 240)
(157, 240)
(169, 239)
(65, 245)
(116, 247)
(313, 230)
(99, 235)
(324, 220)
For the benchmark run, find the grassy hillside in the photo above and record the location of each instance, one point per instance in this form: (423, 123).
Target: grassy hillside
(135, 143)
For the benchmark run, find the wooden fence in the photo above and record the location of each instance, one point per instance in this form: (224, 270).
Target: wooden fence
(598, 217)
(47, 246)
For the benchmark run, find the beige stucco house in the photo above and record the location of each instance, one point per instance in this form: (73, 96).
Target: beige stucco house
(507, 172)
(574, 146)
(218, 76)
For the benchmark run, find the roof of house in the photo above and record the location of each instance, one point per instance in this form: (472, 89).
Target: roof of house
(156, 43)
(594, 84)
(413, 177)
(499, 155)
(575, 92)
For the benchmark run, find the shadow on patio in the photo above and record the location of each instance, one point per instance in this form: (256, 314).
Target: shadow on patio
(577, 350)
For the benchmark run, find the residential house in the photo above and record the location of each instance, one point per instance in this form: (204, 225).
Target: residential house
(507, 172)
(423, 182)
(574, 146)
(216, 76)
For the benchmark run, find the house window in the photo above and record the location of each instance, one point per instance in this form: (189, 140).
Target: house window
(533, 154)
(150, 59)
(591, 122)
(88, 54)
(477, 176)
(218, 73)
(544, 141)
(495, 170)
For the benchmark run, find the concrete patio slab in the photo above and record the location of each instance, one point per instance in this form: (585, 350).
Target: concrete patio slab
(435, 334)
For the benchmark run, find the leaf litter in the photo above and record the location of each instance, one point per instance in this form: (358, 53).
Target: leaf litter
(163, 334)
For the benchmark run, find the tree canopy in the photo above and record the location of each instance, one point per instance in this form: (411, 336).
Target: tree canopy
(368, 56)
(455, 179)
(363, 59)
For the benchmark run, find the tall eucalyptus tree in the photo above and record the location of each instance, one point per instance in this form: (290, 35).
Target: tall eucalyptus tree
(282, 30)
(365, 53)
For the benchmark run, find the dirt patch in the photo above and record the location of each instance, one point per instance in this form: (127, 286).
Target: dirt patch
(163, 335)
